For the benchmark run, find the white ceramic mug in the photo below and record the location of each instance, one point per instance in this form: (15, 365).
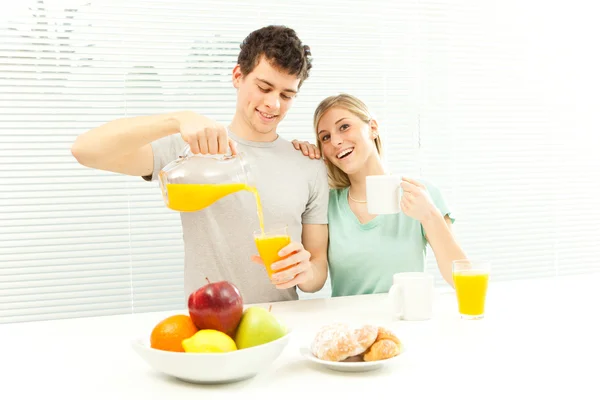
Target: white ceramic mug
(411, 296)
(383, 194)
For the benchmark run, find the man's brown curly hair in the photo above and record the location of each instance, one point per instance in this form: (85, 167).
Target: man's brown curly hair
(281, 46)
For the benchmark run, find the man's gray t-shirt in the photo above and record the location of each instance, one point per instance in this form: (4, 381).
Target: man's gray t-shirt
(218, 240)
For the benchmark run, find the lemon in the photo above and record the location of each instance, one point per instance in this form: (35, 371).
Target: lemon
(208, 341)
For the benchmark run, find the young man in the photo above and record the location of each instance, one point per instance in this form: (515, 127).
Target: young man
(218, 240)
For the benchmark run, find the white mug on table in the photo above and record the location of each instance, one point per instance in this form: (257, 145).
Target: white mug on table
(383, 194)
(411, 296)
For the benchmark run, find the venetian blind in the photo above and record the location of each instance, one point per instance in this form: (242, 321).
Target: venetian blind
(461, 99)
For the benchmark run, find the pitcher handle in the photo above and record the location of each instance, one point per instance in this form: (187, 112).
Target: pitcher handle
(187, 152)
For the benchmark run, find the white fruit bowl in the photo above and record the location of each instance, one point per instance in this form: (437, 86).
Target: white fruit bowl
(212, 367)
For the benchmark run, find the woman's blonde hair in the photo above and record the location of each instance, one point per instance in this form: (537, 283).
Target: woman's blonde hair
(338, 179)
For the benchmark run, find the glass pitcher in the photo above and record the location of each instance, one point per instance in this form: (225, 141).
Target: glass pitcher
(195, 181)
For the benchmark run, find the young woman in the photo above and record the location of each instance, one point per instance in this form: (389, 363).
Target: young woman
(365, 251)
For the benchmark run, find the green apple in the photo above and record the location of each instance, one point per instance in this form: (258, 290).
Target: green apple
(258, 326)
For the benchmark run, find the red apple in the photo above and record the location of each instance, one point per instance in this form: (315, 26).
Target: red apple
(216, 306)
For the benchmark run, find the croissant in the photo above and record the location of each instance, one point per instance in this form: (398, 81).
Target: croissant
(386, 345)
(339, 342)
(382, 350)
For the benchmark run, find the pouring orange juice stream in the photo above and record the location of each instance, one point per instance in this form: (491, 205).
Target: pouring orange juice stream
(193, 197)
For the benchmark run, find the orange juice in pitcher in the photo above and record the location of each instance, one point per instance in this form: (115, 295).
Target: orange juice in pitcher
(196, 196)
(194, 182)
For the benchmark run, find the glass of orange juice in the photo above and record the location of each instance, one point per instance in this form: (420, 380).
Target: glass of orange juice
(470, 283)
(268, 244)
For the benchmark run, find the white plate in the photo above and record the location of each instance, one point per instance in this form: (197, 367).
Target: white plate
(358, 366)
(212, 367)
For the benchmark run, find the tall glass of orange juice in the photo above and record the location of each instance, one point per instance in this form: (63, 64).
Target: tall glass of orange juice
(268, 244)
(470, 283)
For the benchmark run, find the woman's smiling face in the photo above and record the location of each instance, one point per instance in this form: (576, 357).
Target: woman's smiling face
(346, 140)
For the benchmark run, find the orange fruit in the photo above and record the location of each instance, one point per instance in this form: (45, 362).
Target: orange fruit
(168, 333)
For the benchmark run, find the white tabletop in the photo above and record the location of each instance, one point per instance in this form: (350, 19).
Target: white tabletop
(539, 337)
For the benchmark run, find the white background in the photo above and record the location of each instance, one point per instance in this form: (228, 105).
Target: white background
(494, 101)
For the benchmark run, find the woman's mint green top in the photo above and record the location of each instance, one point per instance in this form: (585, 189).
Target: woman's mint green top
(364, 257)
